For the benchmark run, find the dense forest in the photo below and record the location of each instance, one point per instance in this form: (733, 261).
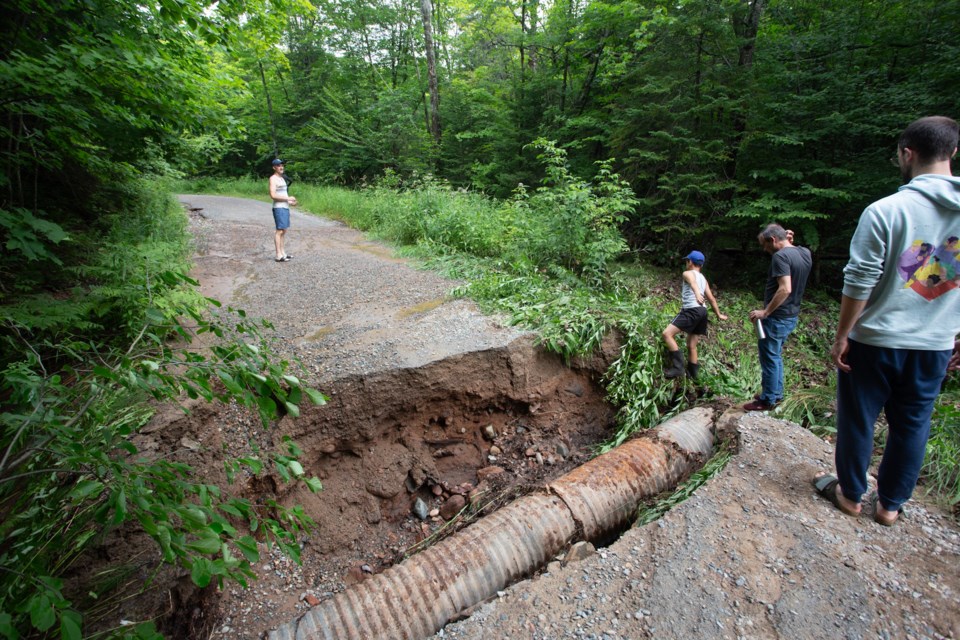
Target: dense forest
(652, 128)
(721, 114)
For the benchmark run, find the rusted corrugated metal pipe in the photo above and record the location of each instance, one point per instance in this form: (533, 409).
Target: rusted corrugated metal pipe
(417, 597)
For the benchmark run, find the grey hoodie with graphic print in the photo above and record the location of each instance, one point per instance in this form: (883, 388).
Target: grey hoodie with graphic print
(905, 261)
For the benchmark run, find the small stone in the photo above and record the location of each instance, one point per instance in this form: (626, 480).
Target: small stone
(311, 600)
(437, 490)
(486, 472)
(579, 551)
(495, 450)
(434, 513)
(452, 506)
(562, 450)
(489, 432)
(420, 509)
(530, 452)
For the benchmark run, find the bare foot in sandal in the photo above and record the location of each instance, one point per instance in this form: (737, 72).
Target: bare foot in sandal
(881, 515)
(828, 487)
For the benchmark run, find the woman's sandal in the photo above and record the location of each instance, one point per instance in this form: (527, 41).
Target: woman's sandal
(826, 486)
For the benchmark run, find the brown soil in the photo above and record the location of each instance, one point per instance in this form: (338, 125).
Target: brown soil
(380, 443)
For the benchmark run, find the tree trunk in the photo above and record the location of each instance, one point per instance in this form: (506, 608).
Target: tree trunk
(533, 13)
(747, 32)
(426, 9)
(591, 76)
(273, 126)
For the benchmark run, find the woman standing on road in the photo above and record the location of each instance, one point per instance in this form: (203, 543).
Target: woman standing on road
(281, 208)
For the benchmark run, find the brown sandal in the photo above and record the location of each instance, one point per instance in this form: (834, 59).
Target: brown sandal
(875, 504)
(826, 486)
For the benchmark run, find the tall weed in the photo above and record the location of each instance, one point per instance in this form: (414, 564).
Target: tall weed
(941, 469)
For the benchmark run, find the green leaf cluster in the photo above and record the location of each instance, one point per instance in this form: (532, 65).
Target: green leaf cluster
(71, 470)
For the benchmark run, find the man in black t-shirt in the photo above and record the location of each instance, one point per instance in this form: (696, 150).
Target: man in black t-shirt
(786, 280)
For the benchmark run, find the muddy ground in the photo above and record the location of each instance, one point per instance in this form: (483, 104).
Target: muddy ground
(430, 399)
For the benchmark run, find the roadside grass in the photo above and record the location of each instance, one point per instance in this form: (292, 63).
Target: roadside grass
(499, 251)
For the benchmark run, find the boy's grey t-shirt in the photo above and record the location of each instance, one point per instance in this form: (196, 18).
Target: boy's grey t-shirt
(795, 262)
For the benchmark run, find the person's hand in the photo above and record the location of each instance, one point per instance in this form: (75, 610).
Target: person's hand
(954, 363)
(758, 314)
(722, 316)
(838, 353)
(292, 201)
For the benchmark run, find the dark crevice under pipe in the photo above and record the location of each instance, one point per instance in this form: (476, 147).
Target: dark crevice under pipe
(417, 597)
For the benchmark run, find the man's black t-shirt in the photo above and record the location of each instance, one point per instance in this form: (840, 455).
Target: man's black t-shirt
(795, 262)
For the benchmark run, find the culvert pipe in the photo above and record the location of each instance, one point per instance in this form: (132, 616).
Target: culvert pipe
(416, 598)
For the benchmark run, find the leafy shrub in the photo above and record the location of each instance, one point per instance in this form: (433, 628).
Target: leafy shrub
(568, 222)
(70, 472)
(76, 367)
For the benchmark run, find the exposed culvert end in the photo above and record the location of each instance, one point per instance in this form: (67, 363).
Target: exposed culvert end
(417, 597)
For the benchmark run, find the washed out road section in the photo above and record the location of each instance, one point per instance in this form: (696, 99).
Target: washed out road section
(344, 305)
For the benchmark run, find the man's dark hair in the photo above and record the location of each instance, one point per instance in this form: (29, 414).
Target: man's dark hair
(772, 231)
(933, 138)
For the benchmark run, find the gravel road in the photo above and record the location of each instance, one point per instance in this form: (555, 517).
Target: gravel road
(344, 305)
(753, 554)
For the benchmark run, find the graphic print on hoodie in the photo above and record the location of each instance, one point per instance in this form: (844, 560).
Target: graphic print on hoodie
(931, 273)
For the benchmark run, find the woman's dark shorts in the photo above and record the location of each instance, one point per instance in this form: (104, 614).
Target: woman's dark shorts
(692, 321)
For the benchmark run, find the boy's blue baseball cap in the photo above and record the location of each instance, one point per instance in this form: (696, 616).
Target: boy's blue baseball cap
(278, 161)
(696, 257)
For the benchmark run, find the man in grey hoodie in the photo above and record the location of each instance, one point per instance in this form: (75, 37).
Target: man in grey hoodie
(897, 331)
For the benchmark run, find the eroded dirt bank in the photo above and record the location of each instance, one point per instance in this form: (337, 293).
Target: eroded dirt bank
(473, 431)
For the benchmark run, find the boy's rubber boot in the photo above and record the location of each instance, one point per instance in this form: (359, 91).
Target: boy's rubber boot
(675, 370)
(693, 370)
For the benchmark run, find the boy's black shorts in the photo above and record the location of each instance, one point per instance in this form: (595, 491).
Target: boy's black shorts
(692, 321)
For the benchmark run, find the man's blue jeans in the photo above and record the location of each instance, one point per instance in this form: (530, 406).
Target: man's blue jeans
(904, 383)
(771, 364)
